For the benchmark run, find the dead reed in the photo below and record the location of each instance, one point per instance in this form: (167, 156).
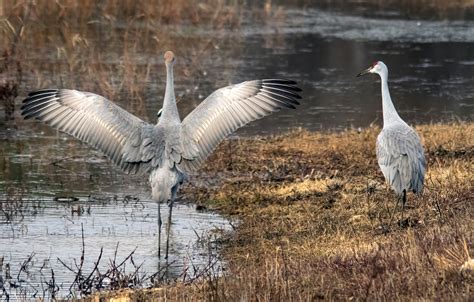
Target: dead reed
(110, 47)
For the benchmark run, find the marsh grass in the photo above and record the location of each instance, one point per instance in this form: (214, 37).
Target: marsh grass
(314, 221)
(113, 48)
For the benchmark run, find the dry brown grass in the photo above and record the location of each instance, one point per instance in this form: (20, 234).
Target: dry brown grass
(110, 47)
(314, 214)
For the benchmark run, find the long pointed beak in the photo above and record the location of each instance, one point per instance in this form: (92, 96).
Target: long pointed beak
(364, 72)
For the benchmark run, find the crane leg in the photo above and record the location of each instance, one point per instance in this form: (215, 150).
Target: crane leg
(404, 201)
(174, 191)
(393, 213)
(168, 227)
(159, 232)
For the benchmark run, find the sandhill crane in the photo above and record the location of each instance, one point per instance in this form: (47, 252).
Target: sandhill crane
(399, 151)
(172, 148)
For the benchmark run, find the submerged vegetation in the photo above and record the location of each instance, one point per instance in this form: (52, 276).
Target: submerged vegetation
(315, 221)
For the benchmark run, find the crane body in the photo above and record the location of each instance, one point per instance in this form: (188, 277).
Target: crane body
(172, 148)
(400, 154)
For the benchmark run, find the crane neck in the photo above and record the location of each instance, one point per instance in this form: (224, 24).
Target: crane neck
(390, 114)
(170, 112)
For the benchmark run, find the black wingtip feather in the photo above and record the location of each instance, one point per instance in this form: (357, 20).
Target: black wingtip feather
(39, 96)
(288, 85)
(295, 88)
(35, 95)
(278, 90)
(279, 81)
(284, 90)
(31, 94)
(35, 101)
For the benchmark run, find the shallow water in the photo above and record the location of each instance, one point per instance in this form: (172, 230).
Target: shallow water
(431, 67)
(46, 199)
(50, 230)
(431, 79)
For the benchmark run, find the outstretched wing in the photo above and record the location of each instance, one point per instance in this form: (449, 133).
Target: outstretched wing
(230, 108)
(128, 141)
(401, 158)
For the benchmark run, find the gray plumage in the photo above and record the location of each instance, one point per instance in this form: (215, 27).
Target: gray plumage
(401, 159)
(171, 148)
(399, 151)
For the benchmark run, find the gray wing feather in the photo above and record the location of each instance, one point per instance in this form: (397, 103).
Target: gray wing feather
(228, 109)
(128, 141)
(401, 158)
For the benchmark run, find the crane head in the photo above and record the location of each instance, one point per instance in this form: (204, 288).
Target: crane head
(376, 67)
(169, 57)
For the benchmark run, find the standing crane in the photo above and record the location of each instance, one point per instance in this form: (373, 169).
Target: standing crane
(172, 148)
(399, 151)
